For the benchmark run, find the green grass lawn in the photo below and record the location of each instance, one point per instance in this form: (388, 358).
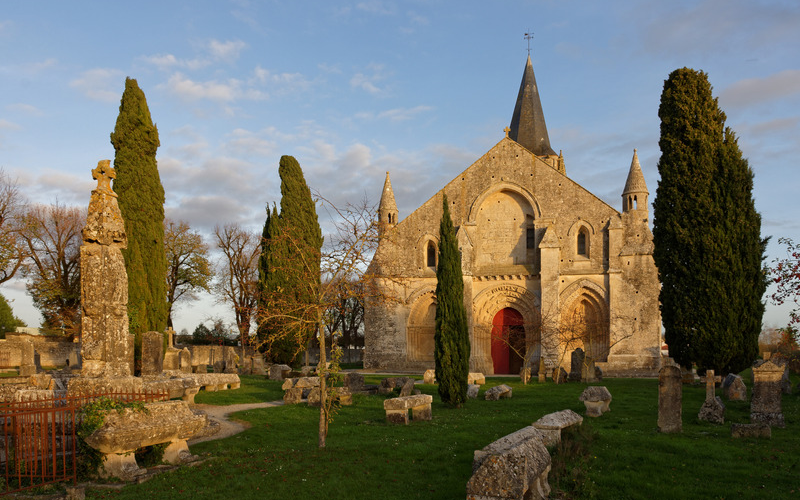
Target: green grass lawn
(367, 458)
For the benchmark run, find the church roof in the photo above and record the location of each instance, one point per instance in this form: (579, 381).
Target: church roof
(527, 124)
(635, 182)
(387, 197)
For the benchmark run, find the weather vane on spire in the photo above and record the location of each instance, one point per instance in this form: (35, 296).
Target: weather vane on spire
(528, 37)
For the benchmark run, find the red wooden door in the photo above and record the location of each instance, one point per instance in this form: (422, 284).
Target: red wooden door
(506, 327)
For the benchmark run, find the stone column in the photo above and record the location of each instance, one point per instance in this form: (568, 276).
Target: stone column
(104, 283)
(550, 251)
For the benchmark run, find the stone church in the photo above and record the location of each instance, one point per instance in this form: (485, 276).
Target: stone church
(548, 266)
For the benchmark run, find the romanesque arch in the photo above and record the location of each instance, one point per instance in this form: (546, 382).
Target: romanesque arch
(507, 300)
(583, 239)
(504, 220)
(421, 325)
(585, 320)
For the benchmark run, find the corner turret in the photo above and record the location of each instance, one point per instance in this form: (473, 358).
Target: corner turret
(387, 209)
(634, 196)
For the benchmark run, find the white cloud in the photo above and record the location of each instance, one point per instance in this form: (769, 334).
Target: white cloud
(25, 109)
(402, 114)
(214, 51)
(757, 90)
(7, 125)
(226, 51)
(376, 7)
(101, 84)
(368, 82)
(226, 91)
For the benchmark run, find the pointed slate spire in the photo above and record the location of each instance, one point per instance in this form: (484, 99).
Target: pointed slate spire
(527, 124)
(634, 196)
(387, 209)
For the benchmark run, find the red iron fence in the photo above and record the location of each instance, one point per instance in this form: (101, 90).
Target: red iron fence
(38, 438)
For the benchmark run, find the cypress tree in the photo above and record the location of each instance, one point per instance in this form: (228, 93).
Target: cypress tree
(706, 231)
(141, 201)
(289, 267)
(451, 337)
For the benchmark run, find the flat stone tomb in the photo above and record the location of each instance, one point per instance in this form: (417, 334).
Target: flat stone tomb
(397, 408)
(597, 400)
(551, 425)
(514, 466)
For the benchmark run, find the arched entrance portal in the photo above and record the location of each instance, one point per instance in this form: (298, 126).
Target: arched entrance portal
(508, 340)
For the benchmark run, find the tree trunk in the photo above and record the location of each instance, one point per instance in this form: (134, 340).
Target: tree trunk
(322, 372)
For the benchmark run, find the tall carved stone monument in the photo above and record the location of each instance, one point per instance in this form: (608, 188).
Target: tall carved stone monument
(106, 348)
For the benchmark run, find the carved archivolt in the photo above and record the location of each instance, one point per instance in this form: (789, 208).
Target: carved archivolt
(421, 325)
(504, 186)
(488, 302)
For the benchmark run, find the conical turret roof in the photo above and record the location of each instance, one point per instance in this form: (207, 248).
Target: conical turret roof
(527, 124)
(387, 203)
(635, 182)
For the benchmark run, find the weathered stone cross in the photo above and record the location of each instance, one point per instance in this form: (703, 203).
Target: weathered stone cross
(506, 130)
(103, 174)
(170, 335)
(710, 380)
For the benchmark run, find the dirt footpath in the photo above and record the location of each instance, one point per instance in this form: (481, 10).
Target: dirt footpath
(227, 427)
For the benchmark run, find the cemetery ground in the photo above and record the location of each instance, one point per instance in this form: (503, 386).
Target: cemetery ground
(618, 455)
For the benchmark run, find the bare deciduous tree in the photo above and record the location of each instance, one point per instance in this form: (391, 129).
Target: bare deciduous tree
(12, 210)
(237, 273)
(52, 235)
(188, 267)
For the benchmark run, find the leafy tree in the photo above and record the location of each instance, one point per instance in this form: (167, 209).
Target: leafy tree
(8, 322)
(141, 201)
(52, 234)
(451, 338)
(707, 233)
(188, 267)
(785, 274)
(290, 261)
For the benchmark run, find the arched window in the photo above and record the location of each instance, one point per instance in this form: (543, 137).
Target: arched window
(431, 254)
(583, 242)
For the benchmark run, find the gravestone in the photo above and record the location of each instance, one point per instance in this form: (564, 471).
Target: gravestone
(733, 388)
(542, 370)
(185, 360)
(713, 410)
(472, 391)
(354, 381)
(589, 370)
(560, 375)
(105, 346)
(27, 365)
(670, 387)
(407, 388)
(765, 407)
(429, 377)
(152, 353)
(576, 365)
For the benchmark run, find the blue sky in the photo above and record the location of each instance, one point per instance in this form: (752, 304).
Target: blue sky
(353, 89)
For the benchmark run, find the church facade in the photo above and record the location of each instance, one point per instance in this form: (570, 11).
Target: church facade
(548, 266)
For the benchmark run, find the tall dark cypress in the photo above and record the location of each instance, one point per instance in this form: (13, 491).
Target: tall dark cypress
(451, 338)
(706, 231)
(141, 201)
(289, 268)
